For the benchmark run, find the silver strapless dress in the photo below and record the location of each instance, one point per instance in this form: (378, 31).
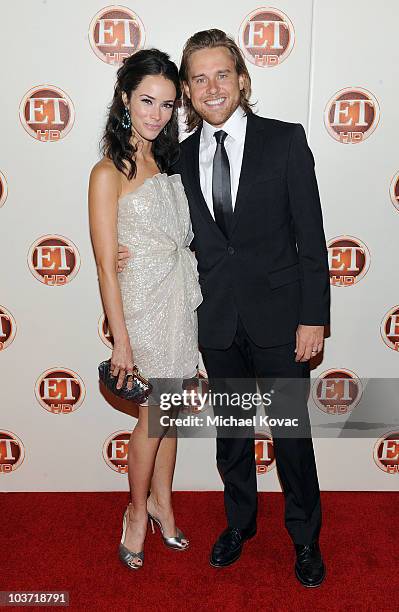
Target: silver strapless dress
(159, 286)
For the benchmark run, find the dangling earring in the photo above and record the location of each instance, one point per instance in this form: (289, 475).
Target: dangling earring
(165, 131)
(126, 121)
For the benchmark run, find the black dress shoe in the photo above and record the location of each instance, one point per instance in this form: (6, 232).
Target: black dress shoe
(309, 567)
(228, 546)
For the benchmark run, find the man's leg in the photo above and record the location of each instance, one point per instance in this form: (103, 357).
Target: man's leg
(235, 456)
(294, 454)
(295, 458)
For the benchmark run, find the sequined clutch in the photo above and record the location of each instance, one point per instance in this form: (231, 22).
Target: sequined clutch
(140, 390)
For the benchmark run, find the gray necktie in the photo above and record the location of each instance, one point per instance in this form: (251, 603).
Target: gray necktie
(221, 186)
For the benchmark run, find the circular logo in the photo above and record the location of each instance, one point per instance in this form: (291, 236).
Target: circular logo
(54, 260)
(390, 328)
(8, 328)
(349, 260)
(351, 115)
(264, 453)
(12, 452)
(60, 390)
(47, 113)
(116, 32)
(3, 189)
(337, 391)
(394, 191)
(115, 450)
(266, 37)
(386, 453)
(104, 332)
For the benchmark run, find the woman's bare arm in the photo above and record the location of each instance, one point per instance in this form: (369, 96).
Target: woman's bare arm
(103, 210)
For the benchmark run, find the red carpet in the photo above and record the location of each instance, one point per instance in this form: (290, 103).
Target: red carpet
(69, 541)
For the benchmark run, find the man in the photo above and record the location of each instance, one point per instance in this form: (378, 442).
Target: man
(262, 263)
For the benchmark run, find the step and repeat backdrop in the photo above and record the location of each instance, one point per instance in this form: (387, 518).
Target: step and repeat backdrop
(327, 65)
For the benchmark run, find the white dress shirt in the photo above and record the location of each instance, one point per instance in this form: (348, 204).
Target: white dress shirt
(235, 127)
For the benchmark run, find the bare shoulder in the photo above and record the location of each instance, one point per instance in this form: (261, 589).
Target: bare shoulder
(105, 174)
(104, 185)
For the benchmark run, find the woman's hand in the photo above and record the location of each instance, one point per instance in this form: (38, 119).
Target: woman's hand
(122, 363)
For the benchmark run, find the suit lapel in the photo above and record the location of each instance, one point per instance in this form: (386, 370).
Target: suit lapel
(253, 151)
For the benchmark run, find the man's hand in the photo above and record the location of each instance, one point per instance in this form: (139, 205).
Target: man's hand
(309, 341)
(123, 256)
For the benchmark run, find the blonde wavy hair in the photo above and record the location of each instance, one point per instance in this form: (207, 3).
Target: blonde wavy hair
(208, 39)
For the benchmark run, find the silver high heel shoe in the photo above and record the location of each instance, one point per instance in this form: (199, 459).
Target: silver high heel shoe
(175, 542)
(128, 557)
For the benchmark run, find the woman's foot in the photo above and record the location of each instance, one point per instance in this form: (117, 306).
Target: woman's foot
(163, 512)
(136, 530)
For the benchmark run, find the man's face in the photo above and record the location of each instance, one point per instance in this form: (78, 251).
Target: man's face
(213, 84)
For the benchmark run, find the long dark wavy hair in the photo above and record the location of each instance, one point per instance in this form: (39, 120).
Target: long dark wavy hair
(115, 143)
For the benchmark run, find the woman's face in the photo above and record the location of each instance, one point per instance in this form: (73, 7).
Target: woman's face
(151, 106)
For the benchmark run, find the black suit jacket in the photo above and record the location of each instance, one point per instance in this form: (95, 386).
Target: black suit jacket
(273, 271)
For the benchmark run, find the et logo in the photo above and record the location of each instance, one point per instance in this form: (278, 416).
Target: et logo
(12, 452)
(115, 33)
(351, 115)
(337, 391)
(47, 113)
(264, 453)
(8, 328)
(348, 260)
(115, 451)
(60, 390)
(390, 328)
(3, 189)
(54, 260)
(386, 453)
(266, 37)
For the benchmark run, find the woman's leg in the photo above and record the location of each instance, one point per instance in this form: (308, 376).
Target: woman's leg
(142, 451)
(159, 502)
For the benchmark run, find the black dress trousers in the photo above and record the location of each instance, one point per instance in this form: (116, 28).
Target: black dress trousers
(244, 360)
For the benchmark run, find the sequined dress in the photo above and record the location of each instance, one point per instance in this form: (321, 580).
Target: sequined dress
(159, 286)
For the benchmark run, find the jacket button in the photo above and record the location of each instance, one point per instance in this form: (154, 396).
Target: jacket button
(230, 250)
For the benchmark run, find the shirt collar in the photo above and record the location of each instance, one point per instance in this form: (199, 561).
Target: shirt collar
(235, 127)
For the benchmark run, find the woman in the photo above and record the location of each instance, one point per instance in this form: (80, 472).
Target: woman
(151, 305)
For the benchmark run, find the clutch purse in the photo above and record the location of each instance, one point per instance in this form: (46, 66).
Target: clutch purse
(138, 393)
